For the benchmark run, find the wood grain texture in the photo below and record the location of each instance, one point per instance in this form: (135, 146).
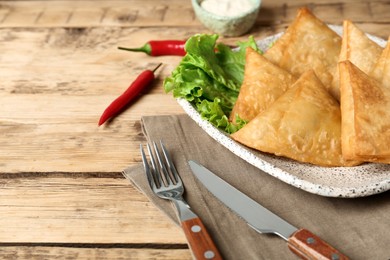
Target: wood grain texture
(59, 135)
(199, 240)
(309, 246)
(95, 13)
(176, 13)
(42, 103)
(61, 191)
(79, 208)
(57, 252)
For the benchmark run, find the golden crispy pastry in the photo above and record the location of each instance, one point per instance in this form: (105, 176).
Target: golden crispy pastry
(263, 83)
(365, 107)
(308, 43)
(381, 71)
(304, 124)
(358, 48)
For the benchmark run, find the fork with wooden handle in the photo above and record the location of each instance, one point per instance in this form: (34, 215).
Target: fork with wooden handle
(166, 183)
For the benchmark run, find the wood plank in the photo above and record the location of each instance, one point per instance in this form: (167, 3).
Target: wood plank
(90, 58)
(95, 13)
(53, 133)
(177, 13)
(42, 252)
(80, 208)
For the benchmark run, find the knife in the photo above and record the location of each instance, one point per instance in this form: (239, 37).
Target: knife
(300, 241)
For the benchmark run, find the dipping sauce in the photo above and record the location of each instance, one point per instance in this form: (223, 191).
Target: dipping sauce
(228, 8)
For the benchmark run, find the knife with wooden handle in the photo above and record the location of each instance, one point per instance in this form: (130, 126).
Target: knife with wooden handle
(300, 241)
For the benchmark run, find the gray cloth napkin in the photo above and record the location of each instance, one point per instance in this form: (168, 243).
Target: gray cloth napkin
(360, 227)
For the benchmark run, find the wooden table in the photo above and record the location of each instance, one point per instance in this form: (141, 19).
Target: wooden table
(62, 194)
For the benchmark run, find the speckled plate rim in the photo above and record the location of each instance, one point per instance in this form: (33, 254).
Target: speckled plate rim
(346, 182)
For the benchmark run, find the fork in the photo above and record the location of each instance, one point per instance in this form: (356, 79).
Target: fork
(166, 183)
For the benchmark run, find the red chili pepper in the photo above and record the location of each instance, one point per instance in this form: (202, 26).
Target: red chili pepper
(142, 81)
(161, 48)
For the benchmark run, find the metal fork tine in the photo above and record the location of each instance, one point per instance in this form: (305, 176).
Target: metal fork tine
(148, 172)
(164, 172)
(170, 164)
(155, 172)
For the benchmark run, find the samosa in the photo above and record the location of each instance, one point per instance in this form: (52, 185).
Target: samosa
(358, 48)
(308, 43)
(381, 70)
(263, 83)
(304, 124)
(365, 107)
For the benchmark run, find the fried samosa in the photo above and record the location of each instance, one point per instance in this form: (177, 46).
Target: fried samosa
(263, 83)
(304, 124)
(381, 71)
(358, 48)
(308, 43)
(365, 108)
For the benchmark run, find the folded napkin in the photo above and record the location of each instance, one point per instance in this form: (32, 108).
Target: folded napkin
(360, 227)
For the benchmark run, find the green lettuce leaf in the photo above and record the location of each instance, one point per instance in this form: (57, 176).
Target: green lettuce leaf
(209, 76)
(233, 61)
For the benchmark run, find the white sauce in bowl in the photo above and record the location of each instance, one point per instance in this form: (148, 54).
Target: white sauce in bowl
(227, 8)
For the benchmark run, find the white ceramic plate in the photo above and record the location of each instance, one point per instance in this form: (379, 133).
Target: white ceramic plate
(347, 182)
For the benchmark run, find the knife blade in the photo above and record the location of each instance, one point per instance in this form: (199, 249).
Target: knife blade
(300, 241)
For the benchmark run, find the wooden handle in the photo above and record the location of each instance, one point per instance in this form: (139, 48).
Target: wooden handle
(308, 246)
(199, 240)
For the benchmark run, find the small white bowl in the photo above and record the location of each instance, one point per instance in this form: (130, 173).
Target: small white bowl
(227, 25)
